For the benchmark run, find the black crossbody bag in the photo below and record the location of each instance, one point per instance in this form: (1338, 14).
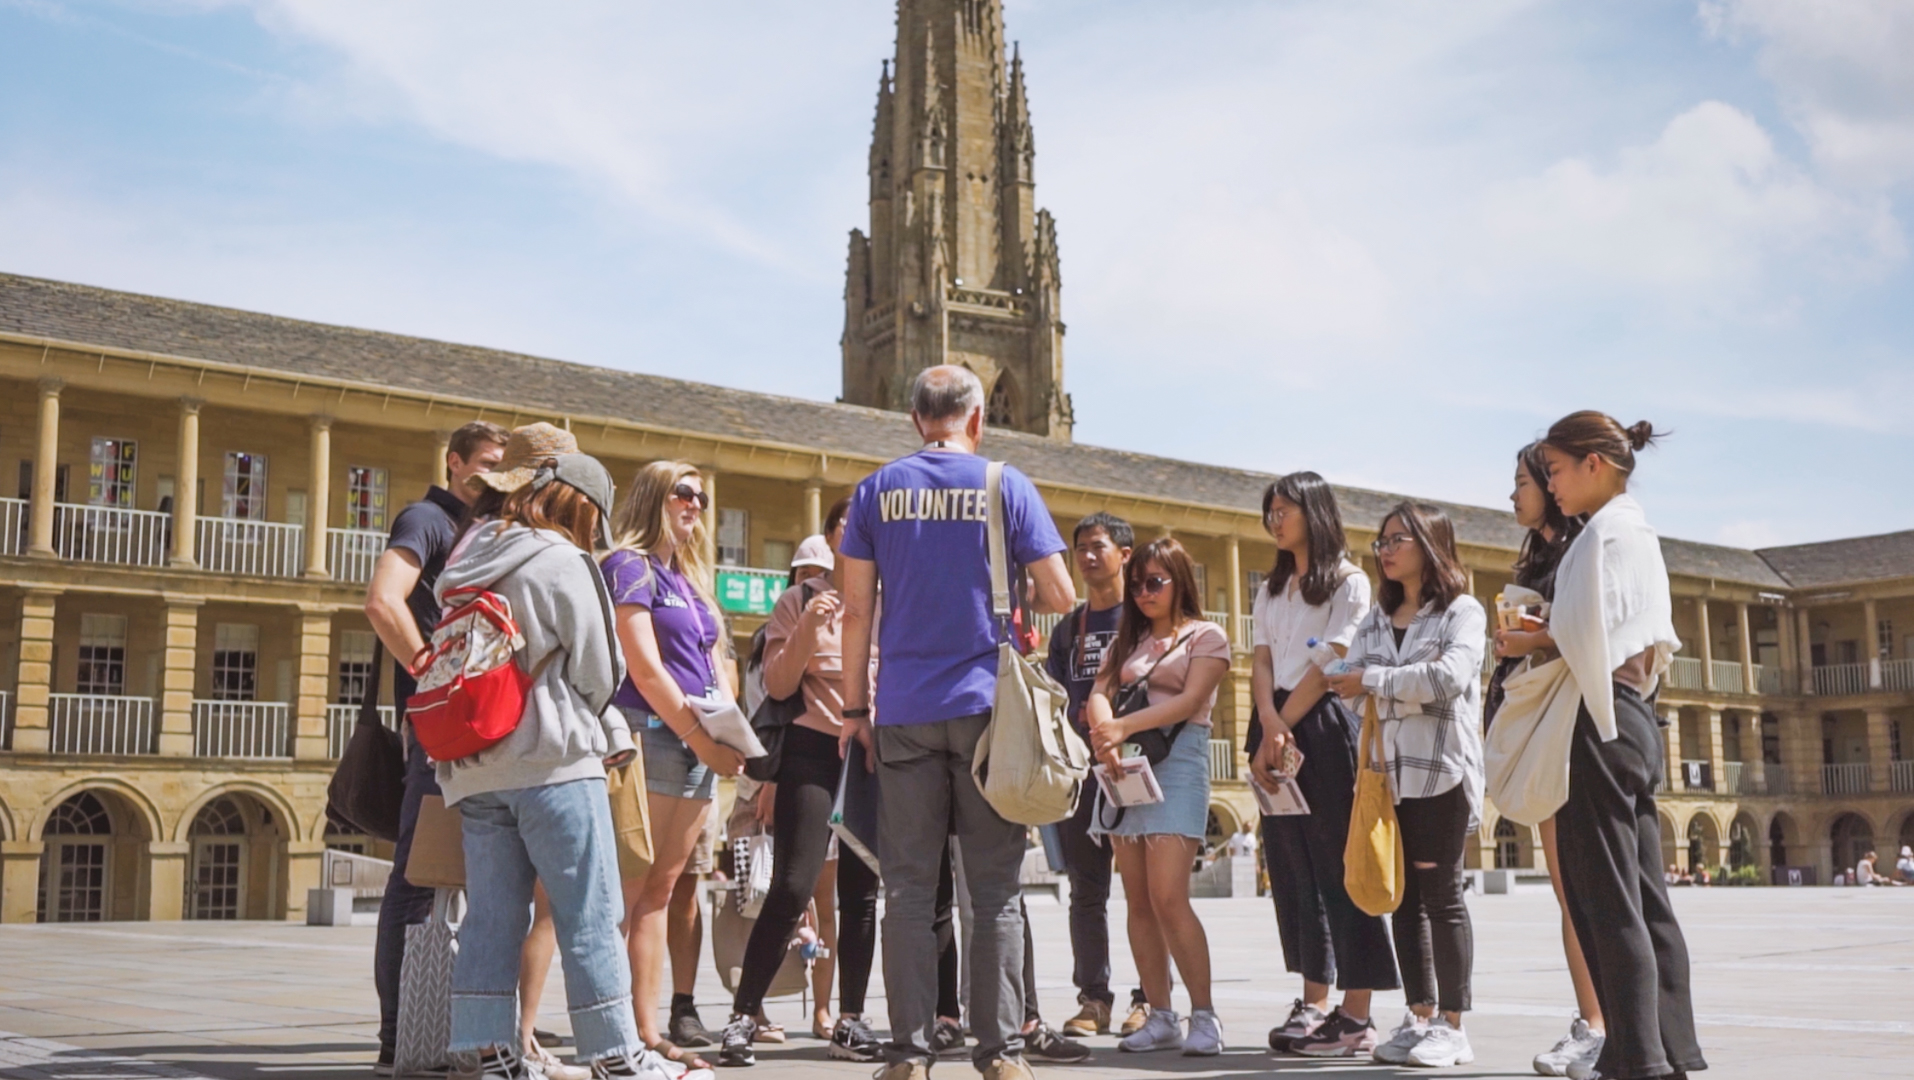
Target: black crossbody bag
(1155, 743)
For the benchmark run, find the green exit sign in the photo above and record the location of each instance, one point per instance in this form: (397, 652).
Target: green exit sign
(749, 592)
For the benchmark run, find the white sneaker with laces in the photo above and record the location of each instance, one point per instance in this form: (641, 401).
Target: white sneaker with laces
(1584, 1070)
(644, 1065)
(553, 1068)
(1402, 1040)
(1442, 1047)
(1161, 1031)
(1206, 1034)
(1580, 1044)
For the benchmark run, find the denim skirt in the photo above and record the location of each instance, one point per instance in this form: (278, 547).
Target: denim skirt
(670, 766)
(1184, 777)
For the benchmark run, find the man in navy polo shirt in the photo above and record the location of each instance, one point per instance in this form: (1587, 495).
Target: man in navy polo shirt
(917, 525)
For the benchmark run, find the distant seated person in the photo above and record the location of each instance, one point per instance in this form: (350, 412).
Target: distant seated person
(1864, 872)
(1702, 877)
(1904, 869)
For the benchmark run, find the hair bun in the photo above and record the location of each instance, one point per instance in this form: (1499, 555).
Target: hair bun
(1641, 433)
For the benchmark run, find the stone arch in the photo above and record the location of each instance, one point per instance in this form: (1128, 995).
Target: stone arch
(1513, 849)
(7, 830)
(1701, 841)
(1783, 837)
(1228, 821)
(270, 797)
(1003, 405)
(95, 862)
(138, 810)
(1850, 835)
(1669, 848)
(236, 837)
(1744, 841)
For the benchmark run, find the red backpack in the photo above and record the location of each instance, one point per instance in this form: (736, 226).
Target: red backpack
(471, 691)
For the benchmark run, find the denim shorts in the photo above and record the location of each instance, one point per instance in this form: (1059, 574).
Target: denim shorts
(1184, 777)
(670, 766)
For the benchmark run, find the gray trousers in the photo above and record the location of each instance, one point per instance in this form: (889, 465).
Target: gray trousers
(926, 795)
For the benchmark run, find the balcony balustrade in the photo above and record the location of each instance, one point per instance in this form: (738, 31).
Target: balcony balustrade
(1728, 676)
(1246, 630)
(1847, 779)
(1684, 673)
(352, 553)
(242, 729)
(1767, 679)
(1831, 680)
(1900, 775)
(111, 534)
(13, 526)
(100, 724)
(1778, 779)
(1731, 777)
(251, 548)
(1897, 675)
(1044, 622)
(341, 719)
(1222, 759)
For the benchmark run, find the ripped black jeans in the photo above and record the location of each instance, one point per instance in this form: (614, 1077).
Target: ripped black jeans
(1435, 944)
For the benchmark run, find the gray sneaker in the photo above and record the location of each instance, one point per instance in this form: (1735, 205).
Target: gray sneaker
(1395, 1049)
(1442, 1047)
(1206, 1034)
(1160, 1032)
(1580, 1044)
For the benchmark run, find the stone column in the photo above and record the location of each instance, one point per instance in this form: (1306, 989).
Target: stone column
(1234, 561)
(710, 514)
(441, 446)
(1707, 644)
(315, 669)
(302, 873)
(1804, 643)
(1880, 752)
(1671, 736)
(1871, 642)
(1801, 753)
(166, 879)
(1747, 651)
(186, 487)
(178, 674)
(35, 678)
(46, 472)
(1790, 655)
(813, 509)
(1715, 749)
(1754, 763)
(20, 879)
(319, 497)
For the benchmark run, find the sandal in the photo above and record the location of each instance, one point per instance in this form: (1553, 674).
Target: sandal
(670, 1051)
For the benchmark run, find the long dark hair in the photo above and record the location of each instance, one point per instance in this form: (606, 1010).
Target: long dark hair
(1323, 520)
(1443, 578)
(1590, 431)
(1535, 566)
(1168, 553)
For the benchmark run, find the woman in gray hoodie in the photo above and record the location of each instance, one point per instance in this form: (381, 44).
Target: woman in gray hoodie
(534, 804)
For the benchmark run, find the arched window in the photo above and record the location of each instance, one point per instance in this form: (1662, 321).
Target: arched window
(1741, 843)
(74, 867)
(1002, 410)
(221, 817)
(1508, 846)
(219, 860)
(82, 815)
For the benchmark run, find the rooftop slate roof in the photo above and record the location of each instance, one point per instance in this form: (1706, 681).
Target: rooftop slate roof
(38, 307)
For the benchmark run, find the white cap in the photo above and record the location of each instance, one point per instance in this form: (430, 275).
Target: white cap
(813, 551)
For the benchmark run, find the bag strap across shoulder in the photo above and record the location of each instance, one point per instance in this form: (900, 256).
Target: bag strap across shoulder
(994, 527)
(1175, 645)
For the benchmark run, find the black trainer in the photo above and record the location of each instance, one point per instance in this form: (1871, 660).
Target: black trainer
(1043, 1043)
(947, 1037)
(734, 1048)
(685, 1028)
(853, 1040)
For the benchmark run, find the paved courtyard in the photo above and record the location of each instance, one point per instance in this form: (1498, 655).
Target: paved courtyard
(1789, 983)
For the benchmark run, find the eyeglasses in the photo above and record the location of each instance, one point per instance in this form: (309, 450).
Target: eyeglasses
(1386, 544)
(685, 493)
(1153, 584)
(1275, 514)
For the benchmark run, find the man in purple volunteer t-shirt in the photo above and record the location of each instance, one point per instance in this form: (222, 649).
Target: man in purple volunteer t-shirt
(918, 526)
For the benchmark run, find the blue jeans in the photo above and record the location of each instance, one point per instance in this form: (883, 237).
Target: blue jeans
(560, 834)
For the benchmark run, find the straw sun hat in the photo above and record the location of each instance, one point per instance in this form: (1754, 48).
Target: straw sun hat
(526, 449)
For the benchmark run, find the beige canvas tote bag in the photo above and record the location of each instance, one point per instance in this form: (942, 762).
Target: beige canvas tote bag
(1525, 757)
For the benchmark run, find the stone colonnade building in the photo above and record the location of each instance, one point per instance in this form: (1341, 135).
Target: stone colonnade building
(202, 493)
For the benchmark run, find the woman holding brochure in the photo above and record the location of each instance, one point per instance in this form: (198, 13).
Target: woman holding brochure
(1163, 668)
(671, 634)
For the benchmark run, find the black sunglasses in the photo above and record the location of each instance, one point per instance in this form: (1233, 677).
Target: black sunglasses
(1153, 584)
(685, 493)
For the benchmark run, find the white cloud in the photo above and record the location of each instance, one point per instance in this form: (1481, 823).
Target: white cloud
(1702, 215)
(1844, 72)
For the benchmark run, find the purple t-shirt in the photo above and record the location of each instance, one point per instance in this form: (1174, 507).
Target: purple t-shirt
(921, 519)
(686, 630)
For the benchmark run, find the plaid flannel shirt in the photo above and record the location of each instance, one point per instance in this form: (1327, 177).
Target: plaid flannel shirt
(1428, 695)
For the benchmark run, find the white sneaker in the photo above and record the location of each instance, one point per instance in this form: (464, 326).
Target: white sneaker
(644, 1065)
(553, 1068)
(1160, 1032)
(1402, 1040)
(1580, 1044)
(1206, 1034)
(1583, 1070)
(1442, 1047)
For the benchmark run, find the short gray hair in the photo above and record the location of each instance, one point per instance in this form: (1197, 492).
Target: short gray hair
(946, 392)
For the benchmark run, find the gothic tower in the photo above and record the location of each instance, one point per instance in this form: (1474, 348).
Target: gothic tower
(960, 266)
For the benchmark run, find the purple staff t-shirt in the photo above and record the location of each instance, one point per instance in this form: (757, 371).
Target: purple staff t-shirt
(921, 519)
(686, 630)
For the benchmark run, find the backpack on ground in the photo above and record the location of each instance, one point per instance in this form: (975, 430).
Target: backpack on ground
(1030, 763)
(471, 691)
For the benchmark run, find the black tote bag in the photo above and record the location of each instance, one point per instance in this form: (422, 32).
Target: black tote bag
(369, 784)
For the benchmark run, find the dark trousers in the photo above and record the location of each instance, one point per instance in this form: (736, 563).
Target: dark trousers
(1609, 840)
(1435, 945)
(943, 926)
(800, 840)
(404, 904)
(1326, 937)
(1086, 862)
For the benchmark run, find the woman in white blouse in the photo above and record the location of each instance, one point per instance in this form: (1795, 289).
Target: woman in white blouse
(1313, 591)
(1612, 620)
(1418, 657)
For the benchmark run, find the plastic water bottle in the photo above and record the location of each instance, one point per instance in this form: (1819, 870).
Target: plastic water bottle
(1325, 657)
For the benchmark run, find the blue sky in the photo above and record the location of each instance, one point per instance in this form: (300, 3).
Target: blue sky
(1387, 241)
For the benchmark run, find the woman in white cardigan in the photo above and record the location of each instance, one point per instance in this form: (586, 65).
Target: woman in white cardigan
(1612, 620)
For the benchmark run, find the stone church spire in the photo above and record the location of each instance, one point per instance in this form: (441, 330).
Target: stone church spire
(959, 265)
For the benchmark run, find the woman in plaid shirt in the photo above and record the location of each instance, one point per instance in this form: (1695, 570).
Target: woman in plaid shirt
(1420, 662)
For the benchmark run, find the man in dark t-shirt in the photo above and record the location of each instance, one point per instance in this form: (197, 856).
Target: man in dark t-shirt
(403, 610)
(1100, 548)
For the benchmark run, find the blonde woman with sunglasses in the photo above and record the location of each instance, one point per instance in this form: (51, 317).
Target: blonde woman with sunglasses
(672, 637)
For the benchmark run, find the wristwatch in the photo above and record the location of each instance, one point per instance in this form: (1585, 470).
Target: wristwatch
(862, 712)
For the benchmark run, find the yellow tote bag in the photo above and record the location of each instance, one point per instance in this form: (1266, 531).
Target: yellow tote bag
(1372, 868)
